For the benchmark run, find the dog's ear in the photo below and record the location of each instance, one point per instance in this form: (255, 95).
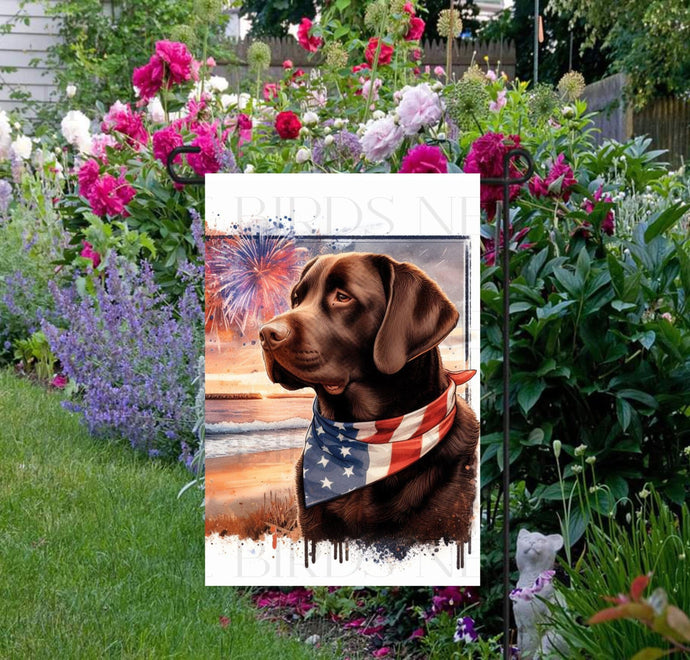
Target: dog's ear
(418, 315)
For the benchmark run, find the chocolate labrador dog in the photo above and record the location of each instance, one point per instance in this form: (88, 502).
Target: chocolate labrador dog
(363, 331)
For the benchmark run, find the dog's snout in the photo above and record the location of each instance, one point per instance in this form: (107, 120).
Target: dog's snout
(273, 334)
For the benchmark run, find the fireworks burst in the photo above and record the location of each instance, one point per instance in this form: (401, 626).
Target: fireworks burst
(251, 277)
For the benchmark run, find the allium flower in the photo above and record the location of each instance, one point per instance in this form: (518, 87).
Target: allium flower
(89, 253)
(376, 14)
(416, 29)
(87, 176)
(381, 138)
(75, 128)
(449, 23)
(206, 162)
(571, 85)
(307, 42)
(473, 72)
(465, 631)
(287, 125)
(341, 151)
(468, 102)
(164, 141)
(259, 56)
(5, 195)
(109, 196)
(22, 147)
(424, 159)
(419, 107)
(558, 182)
(335, 56)
(486, 158)
(542, 103)
(500, 101)
(385, 55)
(121, 119)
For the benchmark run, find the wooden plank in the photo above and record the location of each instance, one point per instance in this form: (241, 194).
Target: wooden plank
(27, 42)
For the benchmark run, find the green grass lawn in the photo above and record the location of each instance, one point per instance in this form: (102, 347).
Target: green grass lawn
(98, 557)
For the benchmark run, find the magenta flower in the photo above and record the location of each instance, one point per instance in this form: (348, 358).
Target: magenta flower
(205, 162)
(382, 652)
(89, 253)
(121, 119)
(489, 244)
(416, 29)
(87, 176)
(558, 182)
(148, 79)
(486, 158)
(307, 42)
(179, 63)
(109, 196)
(60, 381)
(299, 600)
(424, 159)
(608, 224)
(164, 141)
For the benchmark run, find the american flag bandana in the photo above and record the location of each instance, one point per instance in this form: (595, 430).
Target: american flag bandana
(340, 457)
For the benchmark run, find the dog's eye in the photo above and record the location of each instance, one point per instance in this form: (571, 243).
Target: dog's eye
(295, 300)
(342, 297)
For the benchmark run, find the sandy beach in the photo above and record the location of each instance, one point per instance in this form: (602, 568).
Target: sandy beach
(237, 484)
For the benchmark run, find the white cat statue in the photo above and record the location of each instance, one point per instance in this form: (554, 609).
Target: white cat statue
(535, 558)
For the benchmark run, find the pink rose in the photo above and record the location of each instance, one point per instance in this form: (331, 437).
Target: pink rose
(287, 64)
(89, 253)
(420, 106)
(311, 44)
(424, 159)
(164, 141)
(439, 71)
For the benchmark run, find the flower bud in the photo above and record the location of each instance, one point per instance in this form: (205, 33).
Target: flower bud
(70, 90)
(249, 169)
(556, 448)
(328, 140)
(303, 155)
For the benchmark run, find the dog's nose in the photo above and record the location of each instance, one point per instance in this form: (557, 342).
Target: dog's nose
(274, 334)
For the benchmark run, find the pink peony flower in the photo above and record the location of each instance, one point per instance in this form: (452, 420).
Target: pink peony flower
(99, 142)
(489, 244)
(381, 138)
(60, 381)
(500, 101)
(109, 196)
(416, 30)
(244, 125)
(385, 56)
(366, 87)
(311, 44)
(491, 75)
(206, 162)
(121, 119)
(89, 253)
(148, 79)
(164, 141)
(210, 62)
(287, 64)
(424, 159)
(486, 158)
(420, 106)
(270, 91)
(382, 652)
(608, 224)
(557, 183)
(439, 71)
(179, 63)
(87, 176)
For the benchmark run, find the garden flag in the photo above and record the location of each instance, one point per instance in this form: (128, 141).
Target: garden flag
(342, 428)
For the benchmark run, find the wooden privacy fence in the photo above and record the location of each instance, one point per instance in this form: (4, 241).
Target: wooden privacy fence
(666, 121)
(434, 54)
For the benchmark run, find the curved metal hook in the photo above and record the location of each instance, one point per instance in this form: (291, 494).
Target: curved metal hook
(518, 152)
(193, 180)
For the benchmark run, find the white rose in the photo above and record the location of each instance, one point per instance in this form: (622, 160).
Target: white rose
(70, 90)
(310, 118)
(303, 155)
(218, 83)
(155, 110)
(22, 147)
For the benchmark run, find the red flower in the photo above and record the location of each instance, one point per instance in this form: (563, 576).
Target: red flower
(88, 174)
(224, 621)
(164, 141)
(486, 158)
(178, 60)
(109, 196)
(244, 125)
(121, 119)
(416, 30)
(148, 79)
(424, 158)
(60, 381)
(409, 9)
(385, 56)
(489, 244)
(311, 44)
(359, 67)
(288, 124)
(549, 187)
(89, 253)
(206, 161)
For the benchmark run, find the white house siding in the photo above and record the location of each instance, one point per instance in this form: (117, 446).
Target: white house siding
(22, 45)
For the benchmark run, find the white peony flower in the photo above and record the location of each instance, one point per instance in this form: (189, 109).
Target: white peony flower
(249, 169)
(303, 155)
(419, 107)
(70, 90)
(155, 110)
(328, 140)
(75, 127)
(218, 83)
(5, 135)
(378, 114)
(310, 118)
(22, 147)
(381, 138)
(233, 100)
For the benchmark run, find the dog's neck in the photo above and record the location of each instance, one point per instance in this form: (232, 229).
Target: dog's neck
(419, 382)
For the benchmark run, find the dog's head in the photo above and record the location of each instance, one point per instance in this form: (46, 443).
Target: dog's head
(353, 316)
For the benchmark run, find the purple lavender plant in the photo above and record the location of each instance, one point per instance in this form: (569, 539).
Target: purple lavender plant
(134, 357)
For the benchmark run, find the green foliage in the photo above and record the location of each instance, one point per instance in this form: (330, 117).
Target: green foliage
(273, 18)
(653, 540)
(35, 356)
